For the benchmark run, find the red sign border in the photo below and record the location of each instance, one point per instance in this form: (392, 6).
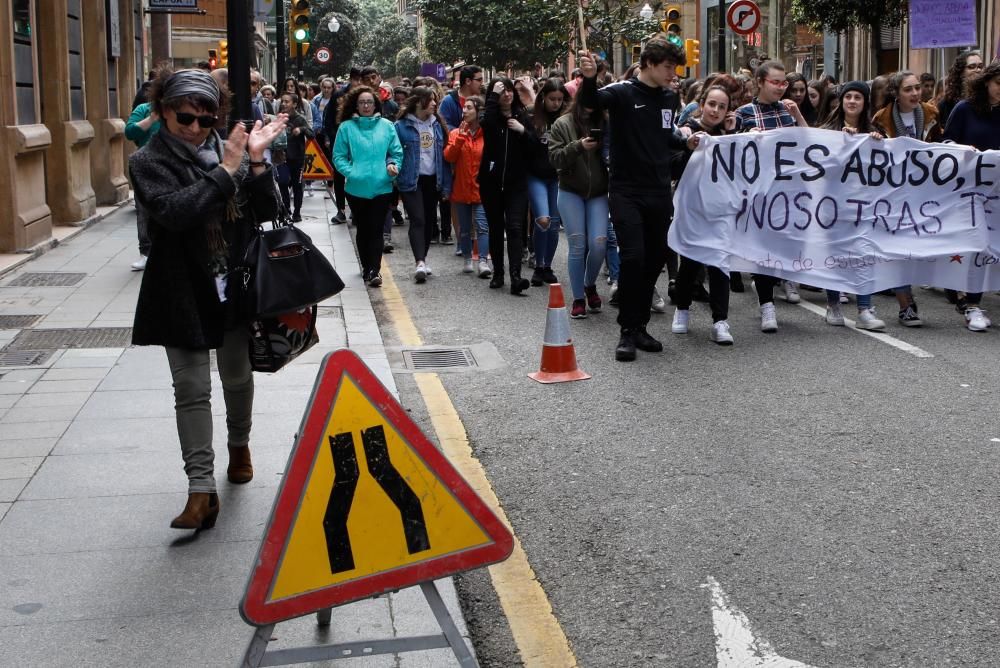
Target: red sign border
(741, 3)
(255, 609)
(317, 52)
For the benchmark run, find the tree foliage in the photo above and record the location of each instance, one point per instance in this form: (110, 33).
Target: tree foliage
(407, 62)
(839, 15)
(518, 33)
(371, 33)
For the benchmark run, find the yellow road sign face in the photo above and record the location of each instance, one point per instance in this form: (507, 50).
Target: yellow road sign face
(358, 482)
(315, 165)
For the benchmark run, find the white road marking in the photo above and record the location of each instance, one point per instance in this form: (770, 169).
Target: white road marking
(884, 338)
(735, 644)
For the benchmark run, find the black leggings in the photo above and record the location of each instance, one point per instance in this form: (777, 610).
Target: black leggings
(506, 211)
(718, 288)
(765, 287)
(290, 176)
(368, 217)
(421, 206)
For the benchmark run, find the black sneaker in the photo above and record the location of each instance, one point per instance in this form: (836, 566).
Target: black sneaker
(537, 276)
(296, 217)
(376, 280)
(387, 246)
(339, 219)
(497, 280)
(518, 285)
(908, 317)
(549, 275)
(625, 352)
(397, 217)
(643, 341)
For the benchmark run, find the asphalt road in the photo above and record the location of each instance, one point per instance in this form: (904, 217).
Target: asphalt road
(841, 491)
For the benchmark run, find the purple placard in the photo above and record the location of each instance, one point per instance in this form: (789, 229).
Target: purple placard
(935, 24)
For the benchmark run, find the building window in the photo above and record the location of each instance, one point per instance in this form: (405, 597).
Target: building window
(24, 63)
(77, 105)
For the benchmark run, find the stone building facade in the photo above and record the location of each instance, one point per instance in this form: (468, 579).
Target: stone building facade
(70, 70)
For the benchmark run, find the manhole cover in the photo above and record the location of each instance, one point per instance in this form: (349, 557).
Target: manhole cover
(24, 357)
(56, 339)
(18, 321)
(46, 279)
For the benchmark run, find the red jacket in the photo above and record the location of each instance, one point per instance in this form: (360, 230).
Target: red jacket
(465, 152)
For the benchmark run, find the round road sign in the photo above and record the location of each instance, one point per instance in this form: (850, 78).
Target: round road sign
(323, 55)
(743, 17)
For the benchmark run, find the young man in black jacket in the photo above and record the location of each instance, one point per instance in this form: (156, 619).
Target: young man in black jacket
(644, 137)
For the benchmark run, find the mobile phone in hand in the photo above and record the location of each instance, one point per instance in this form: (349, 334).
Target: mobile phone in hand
(595, 134)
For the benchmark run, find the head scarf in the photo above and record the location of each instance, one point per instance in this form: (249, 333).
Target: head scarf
(196, 83)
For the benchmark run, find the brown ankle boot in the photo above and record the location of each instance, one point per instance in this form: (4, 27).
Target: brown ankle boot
(240, 467)
(201, 511)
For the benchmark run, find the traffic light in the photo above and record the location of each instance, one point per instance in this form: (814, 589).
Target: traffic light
(672, 22)
(223, 53)
(692, 52)
(298, 20)
(213, 59)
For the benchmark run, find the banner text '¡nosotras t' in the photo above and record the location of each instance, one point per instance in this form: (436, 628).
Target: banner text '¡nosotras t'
(916, 171)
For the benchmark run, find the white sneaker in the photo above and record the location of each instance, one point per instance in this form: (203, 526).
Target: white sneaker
(768, 318)
(680, 323)
(427, 268)
(467, 268)
(139, 264)
(484, 269)
(791, 292)
(976, 320)
(834, 316)
(658, 305)
(844, 299)
(868, 320)
(720, 333)
(420, 273)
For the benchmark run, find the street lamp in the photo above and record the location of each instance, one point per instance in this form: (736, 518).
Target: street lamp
(646, 13)
(333, 25)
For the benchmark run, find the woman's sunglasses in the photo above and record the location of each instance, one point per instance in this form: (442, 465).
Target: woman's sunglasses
(206, 121)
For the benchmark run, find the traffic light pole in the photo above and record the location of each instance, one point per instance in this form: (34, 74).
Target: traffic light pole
(722, 36)
(279, 26)
(298, 61)
(238, 34)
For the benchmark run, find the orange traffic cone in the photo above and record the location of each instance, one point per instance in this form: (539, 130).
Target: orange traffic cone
(558, 353)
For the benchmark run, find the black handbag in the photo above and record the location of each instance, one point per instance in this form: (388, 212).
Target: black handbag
(284, 273)
(276, 341)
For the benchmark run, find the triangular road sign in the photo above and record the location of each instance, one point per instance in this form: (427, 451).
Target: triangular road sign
(367, 505)
(315, 166)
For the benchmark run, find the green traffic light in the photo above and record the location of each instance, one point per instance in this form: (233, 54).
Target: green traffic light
(301, 35)
(675, 39)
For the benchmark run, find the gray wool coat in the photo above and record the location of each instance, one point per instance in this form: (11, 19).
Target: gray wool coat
(178, 303)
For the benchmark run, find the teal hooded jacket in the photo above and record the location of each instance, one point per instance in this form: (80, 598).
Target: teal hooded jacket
(365, 146)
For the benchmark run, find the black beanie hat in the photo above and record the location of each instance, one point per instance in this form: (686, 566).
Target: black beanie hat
(858, 86)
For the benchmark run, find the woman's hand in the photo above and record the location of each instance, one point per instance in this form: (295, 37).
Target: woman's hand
(263, 135)
(235, 147)
(498, 88)
(589, 143)
(694, 140)
(515, 125)
(876, 135)
(850, 130)
(296, 132)
(730, 121)
(463, 128)
(392, 169)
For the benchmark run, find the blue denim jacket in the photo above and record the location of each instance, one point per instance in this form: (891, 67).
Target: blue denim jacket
(409, 137)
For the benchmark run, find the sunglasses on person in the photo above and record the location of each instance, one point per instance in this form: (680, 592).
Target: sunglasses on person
(206, 121)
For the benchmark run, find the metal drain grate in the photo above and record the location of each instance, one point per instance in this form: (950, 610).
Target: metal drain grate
(439, 358)
(18, 321)
(24, 357)
(46, 279)
(55, 339)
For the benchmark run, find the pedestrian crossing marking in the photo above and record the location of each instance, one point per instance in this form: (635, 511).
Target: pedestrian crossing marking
(368, 505)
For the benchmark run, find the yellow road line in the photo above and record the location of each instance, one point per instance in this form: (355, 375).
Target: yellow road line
(539, 637)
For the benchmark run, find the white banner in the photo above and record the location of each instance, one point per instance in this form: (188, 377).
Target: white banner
(846, 213)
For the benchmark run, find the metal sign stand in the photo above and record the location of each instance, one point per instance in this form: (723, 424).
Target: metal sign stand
(257, 654)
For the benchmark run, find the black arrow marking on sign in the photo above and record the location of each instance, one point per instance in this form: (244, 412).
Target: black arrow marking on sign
(395, 487)
(742, 14)
(345, 467)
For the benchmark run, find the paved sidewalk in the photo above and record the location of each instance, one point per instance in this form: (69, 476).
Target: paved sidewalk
(91, 474)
